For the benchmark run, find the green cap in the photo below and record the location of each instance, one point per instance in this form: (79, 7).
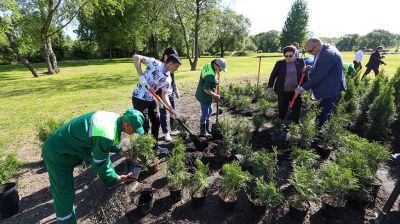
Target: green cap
(136, 119)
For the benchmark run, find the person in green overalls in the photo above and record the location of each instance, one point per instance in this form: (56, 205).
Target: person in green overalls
(90, 138)
(205, 92)
(348, 69)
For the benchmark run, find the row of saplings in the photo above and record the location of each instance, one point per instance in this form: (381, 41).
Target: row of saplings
(348, 179)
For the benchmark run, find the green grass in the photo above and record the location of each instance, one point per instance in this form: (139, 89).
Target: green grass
(85, 86)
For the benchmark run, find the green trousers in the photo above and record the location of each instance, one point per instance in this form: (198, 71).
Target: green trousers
(60, 169)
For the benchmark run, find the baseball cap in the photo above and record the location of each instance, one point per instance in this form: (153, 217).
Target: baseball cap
(136, 119)
(222, 64)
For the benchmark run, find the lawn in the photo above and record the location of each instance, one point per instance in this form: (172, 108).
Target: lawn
(84, 86)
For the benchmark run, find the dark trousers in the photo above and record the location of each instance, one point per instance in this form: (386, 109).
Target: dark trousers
(163, 116)
(150, 112)
(284, 99)
(376, 71)
(357, 65)
(326, 106)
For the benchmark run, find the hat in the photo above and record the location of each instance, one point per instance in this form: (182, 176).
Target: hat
(222, 64)
(136, 119)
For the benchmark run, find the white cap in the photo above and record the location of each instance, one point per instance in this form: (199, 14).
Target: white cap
(222, 64)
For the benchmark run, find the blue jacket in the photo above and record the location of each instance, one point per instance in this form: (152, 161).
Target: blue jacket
(326, 80)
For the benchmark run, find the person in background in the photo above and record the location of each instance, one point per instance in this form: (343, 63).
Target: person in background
(284, 80)
(326, 78)
(297, 53)
(358, 58)
(348, 69)
(206, 92)
(374, 62)
(171, 91)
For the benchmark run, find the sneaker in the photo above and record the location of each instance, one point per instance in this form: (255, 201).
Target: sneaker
(167, 137)
(175, 132)
(162, 150)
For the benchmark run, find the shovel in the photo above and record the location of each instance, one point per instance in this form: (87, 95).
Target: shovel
(215, 132)
(197, 142)
(280, 136)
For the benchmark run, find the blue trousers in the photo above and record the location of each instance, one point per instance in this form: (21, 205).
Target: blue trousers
(326, 106)
(163, 115)
(206, 110)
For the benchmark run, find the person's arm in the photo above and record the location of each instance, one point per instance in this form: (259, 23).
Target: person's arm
(101, 163)
(137, 61)
(274, 75)
(174, 87)
(165, 98)
(321, 71)
(208, 82)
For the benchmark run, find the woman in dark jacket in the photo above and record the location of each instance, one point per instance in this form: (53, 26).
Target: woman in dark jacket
(284, 80)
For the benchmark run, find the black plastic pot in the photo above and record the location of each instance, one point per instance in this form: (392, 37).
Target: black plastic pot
(332, 207)
(297, 213)
(258, 209)
(145, 201)
(227, 205)
(198, 202)
(359, 199)
(176, 195)
(9, 199)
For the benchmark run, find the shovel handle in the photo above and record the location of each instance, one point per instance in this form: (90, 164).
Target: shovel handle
(295, 95)
(158, 98)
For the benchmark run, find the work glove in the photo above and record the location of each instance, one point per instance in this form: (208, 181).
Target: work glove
(174, 113)
(142, 80)
(125, 178)
(299, 90)
(177, 94)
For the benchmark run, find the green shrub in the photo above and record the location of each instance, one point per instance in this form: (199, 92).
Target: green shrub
(242, 131)
(225, 126)
(265, 163)
(142, 147)
(337, 181)
(259, 92)
(177, 181)
(9, 166)
(351, 98)
(303, 135)
(48, 127)
(199, 181)
(268, 193)
(381, 114)
(304, 158)
(248, 89)
(306, 183)
(233, 179)
(264, 105)
(357, 163)
(242, 103)
(395, 82)
(333, 129)
(258, 121)
(276, 123)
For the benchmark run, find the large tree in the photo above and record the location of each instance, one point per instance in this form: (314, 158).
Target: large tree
(267, 41)
(378, 37)
(231, 29)
(295, 28)
(10, 15)
(193, 17)
(349, 42)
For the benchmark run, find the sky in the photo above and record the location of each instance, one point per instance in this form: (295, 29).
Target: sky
(327, 18)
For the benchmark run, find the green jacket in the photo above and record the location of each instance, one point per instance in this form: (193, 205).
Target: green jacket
(349, 69)
(208, 80)
(90, 137)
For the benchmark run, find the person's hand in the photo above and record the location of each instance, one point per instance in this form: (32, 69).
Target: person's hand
(142, 80)
(177, 94)
(307, 69)
(174, 113)
(127, 155)
(125, 178)
(216, 97)
(299, 90)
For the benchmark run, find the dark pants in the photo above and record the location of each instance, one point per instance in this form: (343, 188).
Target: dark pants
(376, 71)
(326, 106)
(357, 65)
(284, 99)
(163, 115)
(150, 112)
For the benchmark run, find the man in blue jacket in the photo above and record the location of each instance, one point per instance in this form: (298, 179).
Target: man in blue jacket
(326, 78)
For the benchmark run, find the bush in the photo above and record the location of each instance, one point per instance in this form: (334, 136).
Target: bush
(268, 193)
(304, 158)
(248, 90)
(243, 53)
(337, 181)
(258, 121)
(9, 166)
(333, 129)
(351, 98)
(306, 184)
(142, 147)
(265, 163)
(233, 179)
(303, 135)
(264, 105)
(381, 114)
(199, 181)
(356, 162)
(242, 103)
(242, 131)
(48, 127)
(395, 82)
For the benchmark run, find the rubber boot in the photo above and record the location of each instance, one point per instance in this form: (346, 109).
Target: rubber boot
(203, 132)
(208, 130)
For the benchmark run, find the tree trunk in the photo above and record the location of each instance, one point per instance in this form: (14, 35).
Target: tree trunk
(21, 58)
(52, 56)
(185, 37)
(46, 54)
(196, 37)
(110, 54)
(153, 46)
(222, 50)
